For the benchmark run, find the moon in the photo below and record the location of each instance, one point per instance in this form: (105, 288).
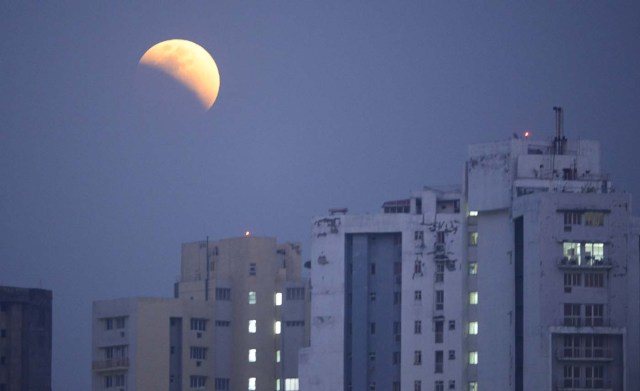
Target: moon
(188, 63)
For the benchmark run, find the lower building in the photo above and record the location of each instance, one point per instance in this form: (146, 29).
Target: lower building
(237, 322)
(25, 339)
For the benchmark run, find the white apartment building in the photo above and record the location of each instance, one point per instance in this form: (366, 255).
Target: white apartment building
(555, 259)
(238, 320)
(526, 280)
(388, 307)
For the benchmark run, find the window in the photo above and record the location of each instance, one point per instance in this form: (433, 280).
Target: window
(198, 353)
(594, 219)
(418, 235)
(439, 328)
(114, 323)
(572, 315)
(594, 280)
(439, 300)
(473, 386)
(252, 355)
(452, 384)
(594, 314)
(473, 328)
(417, 327)
(197, 381)
(439, 362)
(417, 295)
(439, 385)
(397, 297)
(396, 386)
(252, 297)
(277, 384)
(571, 376)
(252, 384)
(473, 213)
(417, 357)
(372, 296)
(439, 275)
(473, 268)
(397, 268)
(396, 328)
(277, 355)
(571, 280)
(277, 327)
(473, 358)
(440, 237)
(473, 298)
(594, 376)
(252, 269)
(595, 346)
(294, 323)
(571, 346)
(115, 352)
(396, 358)
(198, 324)
(593, 253)
(588, 254)
(119, 380)
(372, 269)
(572, 218)
(452, 354)
(417, 267)
(473, 238)
(417, 385)
(221, 384)
(223, 294)
(223, 323)
(372, 356)
(291, 384)
(295, 293)
(372, 328)
(452, 325)
(253, 326)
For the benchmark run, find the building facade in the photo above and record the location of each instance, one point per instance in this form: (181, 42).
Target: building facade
(528, 279)
(239, 317)
(556, 260)
(25, 339)
(388, 303)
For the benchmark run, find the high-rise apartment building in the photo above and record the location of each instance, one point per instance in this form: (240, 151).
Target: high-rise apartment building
(238, 320)
(528, 279)
(555, 255)
(25, 339)
(388, 303)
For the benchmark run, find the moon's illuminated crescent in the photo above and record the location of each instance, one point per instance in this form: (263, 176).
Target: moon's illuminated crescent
(188, 63)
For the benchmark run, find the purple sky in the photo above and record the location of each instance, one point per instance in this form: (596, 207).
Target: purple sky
(106, 167)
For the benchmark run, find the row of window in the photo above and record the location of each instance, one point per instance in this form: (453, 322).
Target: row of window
(584, 376)
(588, 280)
(117, 322)
(224, 294)
(588, 218)
(439, 385)
(472, 359)
(112, 381)
(593, 314)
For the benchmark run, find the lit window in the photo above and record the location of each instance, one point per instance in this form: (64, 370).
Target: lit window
(473, 358)
(253, 326)
(473, 238)
(473, 268)
(252, 297)
(252, 355)
(277, 384)
(291, 384)
(278, 298)
(473, 328)
(252, 383)
(277, 327)
(473, 213)
(473, 386)
(473, 297)
(277, 356)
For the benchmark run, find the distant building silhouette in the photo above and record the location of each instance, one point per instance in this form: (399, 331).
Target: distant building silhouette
(239, 318)
(25, 339)
(526, 279)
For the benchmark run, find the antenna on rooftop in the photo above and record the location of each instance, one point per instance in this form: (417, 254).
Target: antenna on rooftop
(559, 142)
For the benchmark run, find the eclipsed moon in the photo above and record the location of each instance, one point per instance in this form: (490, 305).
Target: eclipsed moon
(188, 63)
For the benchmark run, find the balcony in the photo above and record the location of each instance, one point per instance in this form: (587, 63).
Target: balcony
(584, 263)
(584, 385)
(599, 354)
(110, 365)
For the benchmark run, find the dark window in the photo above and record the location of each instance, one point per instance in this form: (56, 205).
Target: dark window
(223, 294)
(252, 269)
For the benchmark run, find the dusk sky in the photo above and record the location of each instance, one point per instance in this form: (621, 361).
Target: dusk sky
(107, 167)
